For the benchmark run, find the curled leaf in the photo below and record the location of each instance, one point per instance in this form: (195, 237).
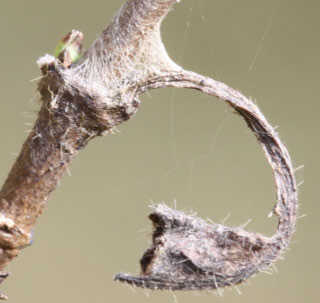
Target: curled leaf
(187, 253)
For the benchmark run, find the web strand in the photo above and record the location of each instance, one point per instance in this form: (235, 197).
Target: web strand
(268, 27)
(173, 96)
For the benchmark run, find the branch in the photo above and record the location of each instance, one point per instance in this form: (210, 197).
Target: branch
(88, 98)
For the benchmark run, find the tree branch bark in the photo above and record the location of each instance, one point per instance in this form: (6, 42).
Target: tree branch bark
(89, 98)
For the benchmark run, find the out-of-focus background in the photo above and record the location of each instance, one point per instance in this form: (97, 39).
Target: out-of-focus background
(181, 148)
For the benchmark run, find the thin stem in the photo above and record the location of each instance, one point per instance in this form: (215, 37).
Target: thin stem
(276, 153)
(189, 254)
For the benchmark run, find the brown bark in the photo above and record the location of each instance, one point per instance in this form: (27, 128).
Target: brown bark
(87, 99)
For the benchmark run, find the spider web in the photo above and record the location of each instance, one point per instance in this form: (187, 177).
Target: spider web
(197, 7)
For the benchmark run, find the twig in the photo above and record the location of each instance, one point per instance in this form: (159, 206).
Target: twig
(89, 98)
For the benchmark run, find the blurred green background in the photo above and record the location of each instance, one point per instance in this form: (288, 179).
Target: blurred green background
(181, 146)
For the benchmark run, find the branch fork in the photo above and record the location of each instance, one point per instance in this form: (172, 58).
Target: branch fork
(88, 98)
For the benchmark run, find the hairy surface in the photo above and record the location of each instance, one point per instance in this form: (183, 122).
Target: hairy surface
(88, 98)
(189, 254)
